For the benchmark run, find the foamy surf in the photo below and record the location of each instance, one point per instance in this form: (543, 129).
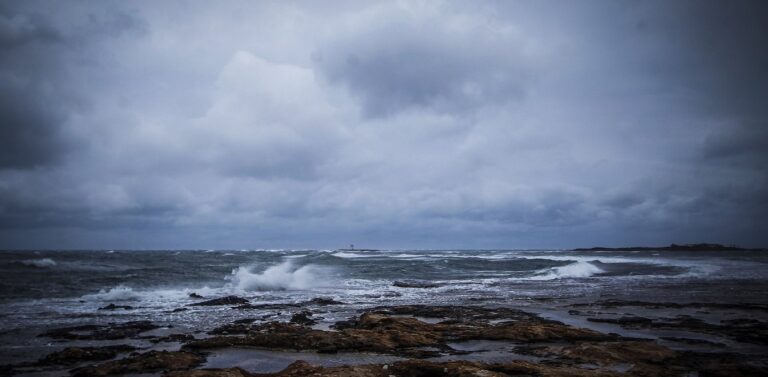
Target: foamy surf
(573, 270)
(284, 276)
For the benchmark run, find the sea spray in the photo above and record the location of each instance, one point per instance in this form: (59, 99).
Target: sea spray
(573, 270)
(284, 276)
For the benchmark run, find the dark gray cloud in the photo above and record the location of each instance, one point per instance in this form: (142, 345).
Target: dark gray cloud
(396, 61)
(28, 110)
(37, 90)
(413, 124)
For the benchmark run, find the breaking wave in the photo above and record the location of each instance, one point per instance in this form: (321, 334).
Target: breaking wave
(284, 276)
(573, 270)
(40, 263)
(119, 293)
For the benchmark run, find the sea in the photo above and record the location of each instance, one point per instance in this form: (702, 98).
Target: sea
(41, 289)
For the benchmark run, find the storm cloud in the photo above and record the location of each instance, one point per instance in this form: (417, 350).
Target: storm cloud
(424, 124)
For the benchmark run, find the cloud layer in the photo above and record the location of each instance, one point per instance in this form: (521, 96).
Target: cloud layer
(388, 124)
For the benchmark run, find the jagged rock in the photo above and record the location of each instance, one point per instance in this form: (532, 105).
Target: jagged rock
(148, 362)
(228, 300)
(302, 318)
(195, 295)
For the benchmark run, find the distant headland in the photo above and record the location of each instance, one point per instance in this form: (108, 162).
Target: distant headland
(675, 247)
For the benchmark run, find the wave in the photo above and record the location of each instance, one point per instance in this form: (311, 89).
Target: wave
(39, 263)
(346, 255)
(119, 293)
(164, 295)
(284, 276)
(573, 270)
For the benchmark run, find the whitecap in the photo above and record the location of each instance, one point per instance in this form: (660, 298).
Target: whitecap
(284, 276)
(342, 254)
(119, 293)
(573, 270)
(40, 263)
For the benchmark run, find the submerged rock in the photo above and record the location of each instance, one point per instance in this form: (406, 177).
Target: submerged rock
(101, 332)
(115, 307)
(228, 300)
(416, 284)
(148, 362)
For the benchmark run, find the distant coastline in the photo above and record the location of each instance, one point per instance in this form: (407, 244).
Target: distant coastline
(674, 247)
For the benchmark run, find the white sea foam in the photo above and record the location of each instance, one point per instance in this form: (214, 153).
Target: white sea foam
(573, 270)
(167, 295)
(284, 276)
(40, 263)
(119, 293)
(342, 254)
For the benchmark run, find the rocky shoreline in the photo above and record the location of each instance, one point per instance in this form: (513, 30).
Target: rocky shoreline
(422, 340)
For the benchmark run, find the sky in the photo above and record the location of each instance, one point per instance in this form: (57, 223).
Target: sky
(387, 124)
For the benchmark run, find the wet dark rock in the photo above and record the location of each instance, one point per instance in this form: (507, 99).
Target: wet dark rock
(75, 355)
(148, 362)
(324, 301)
(245, 321)
(195, 295)
(228, 300)
(462, 313)
(268, 306)
(742, 330)
(404, 336)
(302, 318)
(348, 324)
(179, 310)
(101, 332)
(231, 329)
(173, 338)
(693, 341)
(416, 284)
(115, 307)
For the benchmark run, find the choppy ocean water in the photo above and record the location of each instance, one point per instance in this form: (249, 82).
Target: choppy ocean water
(43, 289)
